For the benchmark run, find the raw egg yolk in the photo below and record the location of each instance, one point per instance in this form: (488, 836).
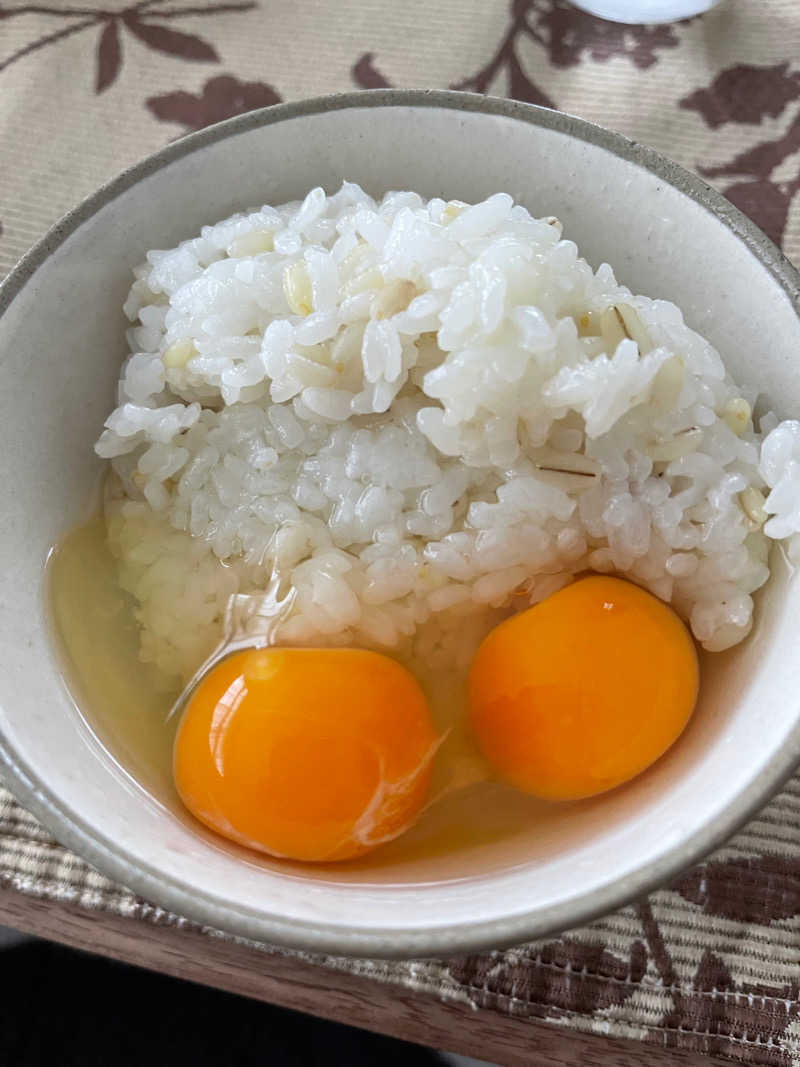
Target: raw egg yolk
(583, 691)
(309, 754)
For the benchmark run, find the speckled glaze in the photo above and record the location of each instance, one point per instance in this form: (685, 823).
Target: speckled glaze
(61, 342)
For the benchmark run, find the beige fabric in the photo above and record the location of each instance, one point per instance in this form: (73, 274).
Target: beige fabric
(713, 962)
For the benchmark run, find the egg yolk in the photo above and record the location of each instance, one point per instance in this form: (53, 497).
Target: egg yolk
(583, 691)
(309, 754)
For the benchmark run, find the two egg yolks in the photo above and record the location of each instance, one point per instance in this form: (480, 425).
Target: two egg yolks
(323, 754)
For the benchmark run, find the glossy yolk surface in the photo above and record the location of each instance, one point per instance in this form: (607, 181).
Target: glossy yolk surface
(311, 754)
(583, 691)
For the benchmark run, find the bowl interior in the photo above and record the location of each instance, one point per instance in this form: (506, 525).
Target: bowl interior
(62, 340)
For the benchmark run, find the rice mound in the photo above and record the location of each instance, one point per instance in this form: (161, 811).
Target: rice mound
(421, 415)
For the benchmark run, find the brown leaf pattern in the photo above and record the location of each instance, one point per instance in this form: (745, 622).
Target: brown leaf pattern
(569, 35)
(569, 975)
(712, 1013)
(505, 61)
(138, 20)
(766, 888)
(222, 98)
(747, 95)
(366, 74)
(109, 56)
(172, 42)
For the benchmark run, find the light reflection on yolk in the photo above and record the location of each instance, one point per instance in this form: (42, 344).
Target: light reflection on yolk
(583, 691)
(310, 754)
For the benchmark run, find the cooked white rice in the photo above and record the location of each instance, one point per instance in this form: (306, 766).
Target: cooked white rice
(417, 411)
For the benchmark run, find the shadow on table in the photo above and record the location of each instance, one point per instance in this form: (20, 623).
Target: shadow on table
(75, 1010)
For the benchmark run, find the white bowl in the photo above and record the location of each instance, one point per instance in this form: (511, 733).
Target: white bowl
(61, 338)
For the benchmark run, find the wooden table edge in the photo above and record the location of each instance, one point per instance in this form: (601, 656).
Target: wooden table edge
(386, 1008)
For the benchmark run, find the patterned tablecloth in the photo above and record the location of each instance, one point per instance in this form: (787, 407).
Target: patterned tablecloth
(712, 962)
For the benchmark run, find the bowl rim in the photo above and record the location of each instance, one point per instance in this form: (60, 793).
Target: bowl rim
(207, 908)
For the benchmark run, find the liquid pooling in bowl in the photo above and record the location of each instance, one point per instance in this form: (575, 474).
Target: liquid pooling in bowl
(127, 705)
(421, 418)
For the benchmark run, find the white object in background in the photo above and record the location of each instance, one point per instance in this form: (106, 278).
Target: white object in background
(645, 11)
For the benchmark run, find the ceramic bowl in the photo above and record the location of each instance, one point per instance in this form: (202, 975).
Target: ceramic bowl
(61, 342)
